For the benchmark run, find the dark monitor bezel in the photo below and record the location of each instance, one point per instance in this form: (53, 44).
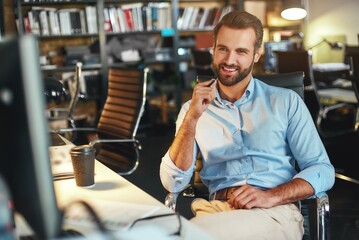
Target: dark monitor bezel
(24, 142)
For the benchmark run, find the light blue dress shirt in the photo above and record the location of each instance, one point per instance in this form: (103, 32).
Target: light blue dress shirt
(255, 140)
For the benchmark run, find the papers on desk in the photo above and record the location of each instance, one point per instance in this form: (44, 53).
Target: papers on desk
(61, 164)
(326, 67)
(114, 215)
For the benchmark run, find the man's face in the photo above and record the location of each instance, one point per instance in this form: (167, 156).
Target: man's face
(234, 55)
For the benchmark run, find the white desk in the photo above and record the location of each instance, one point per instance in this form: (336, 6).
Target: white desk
(112, 187)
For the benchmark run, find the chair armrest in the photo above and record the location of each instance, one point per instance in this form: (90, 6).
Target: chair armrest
(135, 142)
(171, 197)
(66, 130)
(171, 200)
(332, 107)
(317, 216)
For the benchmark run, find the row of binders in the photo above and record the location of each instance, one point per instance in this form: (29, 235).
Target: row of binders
(200, 17)
(46, 21)
(138, 17)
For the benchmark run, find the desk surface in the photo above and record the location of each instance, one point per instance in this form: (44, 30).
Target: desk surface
(109, 186)
(338, 94)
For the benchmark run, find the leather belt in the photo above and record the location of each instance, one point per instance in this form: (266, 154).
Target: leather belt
(226, 193)
(223, 194)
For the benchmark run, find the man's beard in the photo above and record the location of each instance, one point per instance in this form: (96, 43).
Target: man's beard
(232, 80)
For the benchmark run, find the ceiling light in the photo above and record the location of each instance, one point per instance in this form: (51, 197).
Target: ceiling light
(293, 10)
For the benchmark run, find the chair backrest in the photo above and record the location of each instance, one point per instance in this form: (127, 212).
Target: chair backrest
(202, 61)
(353, 60)
(120, 119)
(292, 80)
(125, 102)
(354, 76)
(291, 61)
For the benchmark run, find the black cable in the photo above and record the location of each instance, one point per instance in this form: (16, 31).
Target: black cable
(178, 233)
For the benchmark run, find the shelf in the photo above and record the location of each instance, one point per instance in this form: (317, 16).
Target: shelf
(57, 3)
(70, 68)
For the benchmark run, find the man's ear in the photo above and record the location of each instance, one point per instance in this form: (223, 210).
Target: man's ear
(257, 55)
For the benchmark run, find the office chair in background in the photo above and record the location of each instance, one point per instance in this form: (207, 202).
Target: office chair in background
(353, 59)
(331, 120)
(114, 138)
(202, 61)
(315, 211)
(335, 123)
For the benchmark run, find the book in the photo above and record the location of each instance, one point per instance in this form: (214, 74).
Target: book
(148, 19)
(122, 20)
(91, 22)
(83, 21)
(34, 22)
(114, 19)
(107, 21)
(129, 18)
(193, 18)
(203, 18)
(54, 23)
(44, 23)
(187, 17)
(65, 24)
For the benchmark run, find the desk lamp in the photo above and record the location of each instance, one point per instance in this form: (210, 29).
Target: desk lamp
(332, 45)
(54, 92)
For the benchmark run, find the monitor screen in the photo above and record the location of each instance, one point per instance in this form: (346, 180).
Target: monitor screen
(24, 139)
(270, 60)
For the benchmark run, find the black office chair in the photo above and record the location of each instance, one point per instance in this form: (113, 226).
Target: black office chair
(202, 61)
(331, 120)
(353, 59)
(315, 211)
(115, 135)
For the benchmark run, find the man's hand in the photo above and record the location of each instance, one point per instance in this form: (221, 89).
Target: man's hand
(203, 95)
(248, 197)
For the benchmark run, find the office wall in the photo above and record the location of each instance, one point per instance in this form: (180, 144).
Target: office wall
(335, 20)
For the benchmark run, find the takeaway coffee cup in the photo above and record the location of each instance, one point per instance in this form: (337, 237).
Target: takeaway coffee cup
(83, 163)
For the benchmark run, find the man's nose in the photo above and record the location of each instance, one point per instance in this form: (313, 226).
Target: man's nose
(231, 58)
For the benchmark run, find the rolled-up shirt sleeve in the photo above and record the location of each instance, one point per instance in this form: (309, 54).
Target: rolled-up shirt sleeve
(174, 179)
(308, 149)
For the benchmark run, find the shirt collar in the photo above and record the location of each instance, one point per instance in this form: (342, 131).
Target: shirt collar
(246, 96)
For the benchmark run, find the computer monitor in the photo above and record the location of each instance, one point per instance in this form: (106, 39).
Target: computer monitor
(24, 139)
(270, 59)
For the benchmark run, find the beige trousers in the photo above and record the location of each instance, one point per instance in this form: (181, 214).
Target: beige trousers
(283, 222)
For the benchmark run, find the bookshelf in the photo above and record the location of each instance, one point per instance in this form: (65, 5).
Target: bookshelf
(66, 35)
(114, 30)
